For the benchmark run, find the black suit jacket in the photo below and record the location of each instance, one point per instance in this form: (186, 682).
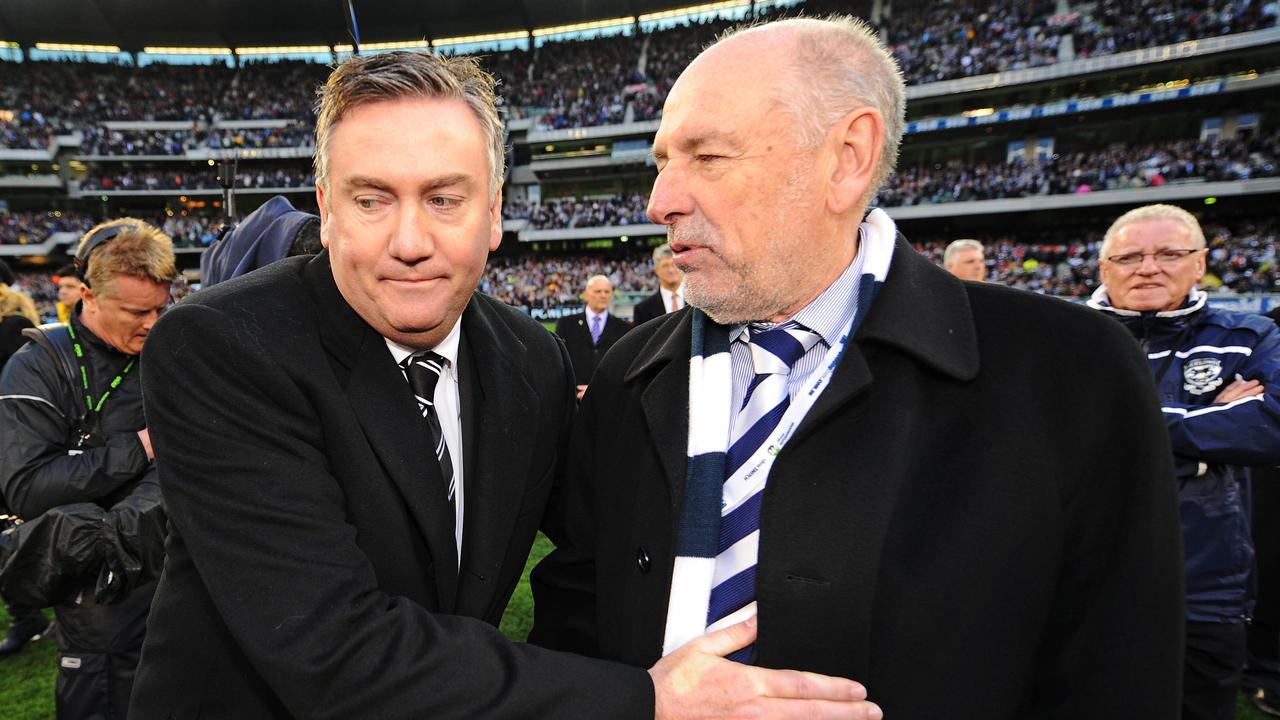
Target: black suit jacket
(311, 568)
(648, 309)
(976, 519)
(583, 355)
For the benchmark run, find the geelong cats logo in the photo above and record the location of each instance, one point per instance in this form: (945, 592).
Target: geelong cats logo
(1202, 375)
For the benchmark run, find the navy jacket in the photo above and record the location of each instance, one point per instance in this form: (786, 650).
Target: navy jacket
(1212, 442)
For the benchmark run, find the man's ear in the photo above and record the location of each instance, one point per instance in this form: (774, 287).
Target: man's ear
(87, 297)
(495, 221)
(857, 140)
(324, 215)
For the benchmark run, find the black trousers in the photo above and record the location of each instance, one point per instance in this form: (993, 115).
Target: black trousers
(20, 614)
(1213, 671)
(98, 651)
(1263, 671)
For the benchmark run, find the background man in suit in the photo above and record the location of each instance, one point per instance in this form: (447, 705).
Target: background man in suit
(1032, 574)
(964, 259)
(670, 295)
(588, 335)
(345, 536)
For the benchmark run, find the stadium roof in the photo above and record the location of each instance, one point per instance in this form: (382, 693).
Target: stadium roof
(134, 24)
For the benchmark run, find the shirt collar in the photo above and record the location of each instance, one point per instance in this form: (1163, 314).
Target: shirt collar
(832, 311)
(448, 348)
(591, 314)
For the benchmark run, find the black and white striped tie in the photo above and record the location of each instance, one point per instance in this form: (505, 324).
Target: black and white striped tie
(423, 371)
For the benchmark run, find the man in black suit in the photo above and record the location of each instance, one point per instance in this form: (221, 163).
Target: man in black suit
(588, 335)
(670, 294)
(956, 493)
(356, 450)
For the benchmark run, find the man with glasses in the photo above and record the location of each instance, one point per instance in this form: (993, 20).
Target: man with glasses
(1218, 376)
(76, 463)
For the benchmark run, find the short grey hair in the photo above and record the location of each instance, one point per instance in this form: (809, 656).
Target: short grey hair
(662, 252)
(1154, 212)
(958, 246)
(843, 65)
(365, 79)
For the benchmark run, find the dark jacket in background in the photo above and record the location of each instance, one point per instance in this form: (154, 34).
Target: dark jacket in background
(261, 238)
(11, 327)
(583, 354)
(1264, 632)
(648, 309)
(1213, 444)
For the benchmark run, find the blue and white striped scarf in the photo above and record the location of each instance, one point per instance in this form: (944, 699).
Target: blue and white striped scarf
(710, 416)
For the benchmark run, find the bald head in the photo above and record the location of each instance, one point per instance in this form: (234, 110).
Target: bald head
(772, 144)
(820, 71)
(599, 293)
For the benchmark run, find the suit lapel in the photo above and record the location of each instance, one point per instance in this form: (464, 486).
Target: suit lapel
(498, 406)
(385, 409)
(665, 399)
(920, 310)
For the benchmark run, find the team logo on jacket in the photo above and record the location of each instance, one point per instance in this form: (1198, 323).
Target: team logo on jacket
(1202, 375)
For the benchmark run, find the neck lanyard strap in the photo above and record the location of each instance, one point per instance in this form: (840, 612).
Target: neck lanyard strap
(84, 376)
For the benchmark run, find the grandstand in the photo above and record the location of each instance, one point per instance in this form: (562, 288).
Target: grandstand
(1031, 124)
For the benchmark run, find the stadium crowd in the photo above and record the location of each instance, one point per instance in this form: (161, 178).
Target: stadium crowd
(590, 212)
(205, 178)
(1149, 165)
(101, 140)
(24, 228)
(582, 83)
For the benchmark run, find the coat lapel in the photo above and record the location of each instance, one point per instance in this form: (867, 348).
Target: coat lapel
(920, 310)
(666, 399)
(498, 406)
(385, 409)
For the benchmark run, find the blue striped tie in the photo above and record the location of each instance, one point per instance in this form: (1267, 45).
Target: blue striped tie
(773, 353)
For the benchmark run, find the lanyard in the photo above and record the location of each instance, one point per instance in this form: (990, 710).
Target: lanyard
(751, 476)
(84, 375)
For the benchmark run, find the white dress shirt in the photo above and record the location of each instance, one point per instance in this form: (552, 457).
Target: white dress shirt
(666, 297)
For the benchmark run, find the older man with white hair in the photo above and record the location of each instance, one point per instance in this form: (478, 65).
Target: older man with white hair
(907, 480)
(966, 260)
(1218, 375)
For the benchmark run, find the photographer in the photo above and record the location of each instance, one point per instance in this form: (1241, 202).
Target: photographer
(76, 464)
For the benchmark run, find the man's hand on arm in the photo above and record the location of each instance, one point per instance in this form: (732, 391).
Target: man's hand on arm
(696, 681)
(1241, 388)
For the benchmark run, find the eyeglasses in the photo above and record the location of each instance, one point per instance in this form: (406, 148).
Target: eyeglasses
(1166, 258)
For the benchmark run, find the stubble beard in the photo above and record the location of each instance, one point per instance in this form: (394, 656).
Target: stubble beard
(743, 294)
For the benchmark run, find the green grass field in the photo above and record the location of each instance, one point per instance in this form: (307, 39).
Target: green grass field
(26, 679)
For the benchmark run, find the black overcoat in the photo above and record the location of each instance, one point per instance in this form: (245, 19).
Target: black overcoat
(311, 568)
(977, 519)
